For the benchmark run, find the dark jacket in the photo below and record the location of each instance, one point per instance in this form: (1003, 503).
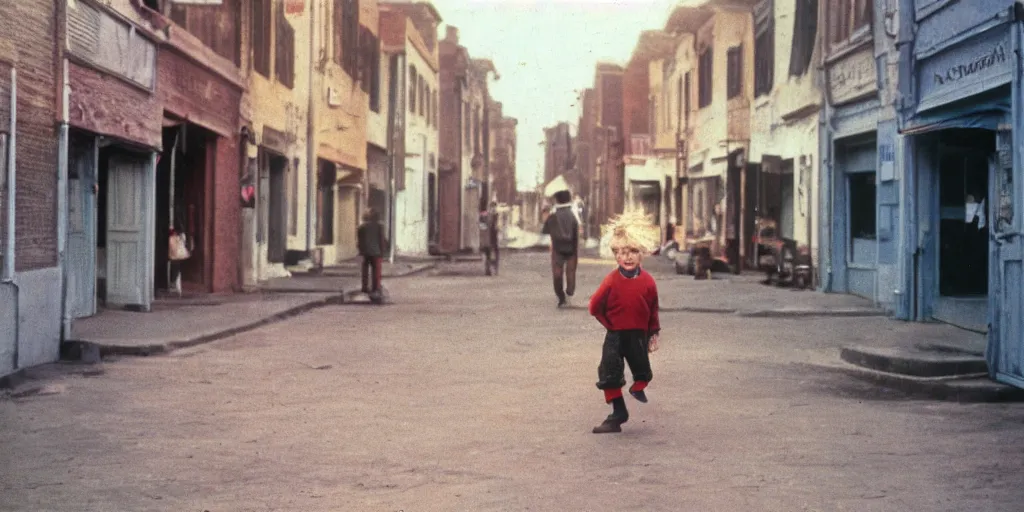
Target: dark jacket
(564, 230)
(371, 240)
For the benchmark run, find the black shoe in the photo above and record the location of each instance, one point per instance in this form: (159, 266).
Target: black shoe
(607, 427)
(613, 423)
(639, 395)
(561, 303)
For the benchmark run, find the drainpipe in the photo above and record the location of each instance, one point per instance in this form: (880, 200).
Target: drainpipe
(311, 166)
(12, 190)
(907, 243)
(393, 69)
(827, 171)
(62, 202)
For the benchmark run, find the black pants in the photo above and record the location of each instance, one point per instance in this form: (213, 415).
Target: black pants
(371, 264)
(489, 262)
(563, 265)
(619, 345)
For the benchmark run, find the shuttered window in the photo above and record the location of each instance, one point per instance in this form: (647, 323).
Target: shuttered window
(261, 37)
(764, 48)
(734, 68)
(805, 31)
(705, 77)
(284, 59)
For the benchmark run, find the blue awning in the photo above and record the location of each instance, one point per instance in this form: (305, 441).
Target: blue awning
(986, 111)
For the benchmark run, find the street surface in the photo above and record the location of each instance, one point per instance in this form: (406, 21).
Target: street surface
(475, 393)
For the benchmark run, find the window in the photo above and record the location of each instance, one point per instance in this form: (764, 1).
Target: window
(371, 63)
(805, 30)
(862, 215)
(734, 70)
(423, 96)
(705, 71)
(686, 99)
(284, 59)
(325, 203)
(346, 36)
(679, 103)
(764, 48)
(847, 19)
(428, 104)
(468, 124)
(261, 37)
(476, 131)
(413, 83)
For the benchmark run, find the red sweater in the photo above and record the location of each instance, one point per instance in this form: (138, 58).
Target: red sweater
(621, 303)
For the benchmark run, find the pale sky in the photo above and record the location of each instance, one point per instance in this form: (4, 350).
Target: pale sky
(545, 52)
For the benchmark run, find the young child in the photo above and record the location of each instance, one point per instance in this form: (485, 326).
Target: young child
(626, 304)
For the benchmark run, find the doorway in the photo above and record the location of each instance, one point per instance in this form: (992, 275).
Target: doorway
(963, 200)
(277, 206)
(433, 235)
(962, 176)
(183, 175)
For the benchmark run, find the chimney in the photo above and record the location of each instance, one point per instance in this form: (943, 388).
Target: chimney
(451, 34)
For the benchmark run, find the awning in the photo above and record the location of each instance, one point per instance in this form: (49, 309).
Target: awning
(986, 111)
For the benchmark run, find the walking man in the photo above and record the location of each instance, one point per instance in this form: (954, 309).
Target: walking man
(372, 244)
(563, 226)
(489, 238)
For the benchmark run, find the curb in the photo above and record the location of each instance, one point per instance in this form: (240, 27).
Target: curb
(776, 313)
(973, 388)
(83, 349)
(914, 364)
(798, 313)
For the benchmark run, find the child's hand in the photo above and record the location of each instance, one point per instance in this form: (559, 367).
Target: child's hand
(652, 345)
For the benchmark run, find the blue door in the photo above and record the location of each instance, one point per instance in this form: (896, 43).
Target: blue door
(81, 249)
(1006, 309)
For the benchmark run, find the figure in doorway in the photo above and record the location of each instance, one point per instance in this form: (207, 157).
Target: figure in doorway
(372, 244)
(564, 229)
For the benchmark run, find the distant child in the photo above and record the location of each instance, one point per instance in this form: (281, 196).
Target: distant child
(372, 244)
(626, 304)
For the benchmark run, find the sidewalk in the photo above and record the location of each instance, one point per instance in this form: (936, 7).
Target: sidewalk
(177, 324)
(343, 278)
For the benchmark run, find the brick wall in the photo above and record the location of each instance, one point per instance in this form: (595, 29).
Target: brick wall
(28, 44)
(635, 105)
(191, 91)
(227, 215)
(109, 106)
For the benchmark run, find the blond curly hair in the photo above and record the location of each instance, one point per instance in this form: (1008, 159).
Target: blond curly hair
(633, 230)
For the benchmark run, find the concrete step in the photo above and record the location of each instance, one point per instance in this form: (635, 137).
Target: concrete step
(975, 388)
(914, 361)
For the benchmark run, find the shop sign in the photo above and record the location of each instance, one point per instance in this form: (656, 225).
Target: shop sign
(966, 69)
(853, 77)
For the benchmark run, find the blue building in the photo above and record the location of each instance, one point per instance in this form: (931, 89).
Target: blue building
(860, 188)
(921, 138)
(960, 121)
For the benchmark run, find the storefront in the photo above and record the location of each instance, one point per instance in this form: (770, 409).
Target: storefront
(860, 205)
(963, 143)
(199, 174)
(113, 139)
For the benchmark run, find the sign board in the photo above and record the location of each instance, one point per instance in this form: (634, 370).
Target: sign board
(853, 77)
(979, 64)
(294, 7)
(110, 44)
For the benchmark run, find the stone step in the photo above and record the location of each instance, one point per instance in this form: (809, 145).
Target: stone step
(976, 388)
(914, 362)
